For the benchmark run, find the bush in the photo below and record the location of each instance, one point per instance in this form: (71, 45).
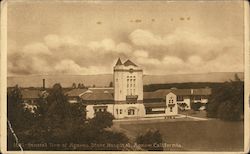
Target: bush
(151, 137)
(196, 106)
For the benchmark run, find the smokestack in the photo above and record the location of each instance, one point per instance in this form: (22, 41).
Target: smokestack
(43, 84)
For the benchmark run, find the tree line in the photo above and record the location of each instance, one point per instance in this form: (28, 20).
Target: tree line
(57, 122)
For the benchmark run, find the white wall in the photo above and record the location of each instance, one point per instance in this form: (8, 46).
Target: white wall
(120, 82)
(186, 100)
(171, 96)
(112, 108)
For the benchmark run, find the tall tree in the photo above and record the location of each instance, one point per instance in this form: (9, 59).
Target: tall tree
(111, 84)
(227, 101)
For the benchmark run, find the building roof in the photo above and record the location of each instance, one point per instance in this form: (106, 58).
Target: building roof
(161, 94)
(102, 90)
(155, 104)
(119, 62)
(91, 96)
(31, 93)
(128, 63)
(75, 92)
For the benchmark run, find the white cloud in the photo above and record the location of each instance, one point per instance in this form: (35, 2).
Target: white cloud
(141, 53)
(36, 48)
(55, 41)
(180, 51)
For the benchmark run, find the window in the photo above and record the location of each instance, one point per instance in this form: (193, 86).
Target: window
(120, 111)
(171, 109)
(117, 112)
(197, 97)
(134, 91)
(131, 112)
(127, 85)
(180, 98)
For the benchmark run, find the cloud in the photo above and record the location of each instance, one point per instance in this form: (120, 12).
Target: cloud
(36, 48)
(54, 41)
(109, 46)
(141, 53)
(179, 51)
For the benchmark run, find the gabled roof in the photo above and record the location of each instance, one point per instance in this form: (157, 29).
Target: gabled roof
(128, 63)
(97, 97)
(31, 93)
(75, 92)
(102, 90)
(119, 62)
(161, 93)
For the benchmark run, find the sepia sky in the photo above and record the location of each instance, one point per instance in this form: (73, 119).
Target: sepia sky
(86, 37)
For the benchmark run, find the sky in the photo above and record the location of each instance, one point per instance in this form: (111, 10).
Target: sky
(87, 37)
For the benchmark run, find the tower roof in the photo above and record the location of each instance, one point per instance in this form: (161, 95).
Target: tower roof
(129, 62)
(119, 62)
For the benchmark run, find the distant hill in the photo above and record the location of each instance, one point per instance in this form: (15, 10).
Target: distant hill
(104, 79)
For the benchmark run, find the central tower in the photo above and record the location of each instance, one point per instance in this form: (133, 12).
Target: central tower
(128, 84)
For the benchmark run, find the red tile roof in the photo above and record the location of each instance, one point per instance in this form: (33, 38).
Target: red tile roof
(75, 92)
(91, 96)
(180, 92)
(31, 93)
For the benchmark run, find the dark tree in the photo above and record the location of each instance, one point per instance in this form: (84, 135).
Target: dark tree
(102, 120)
(196, 106)
(151, 137)
(111, 84)
(74, 85)
(227, 101)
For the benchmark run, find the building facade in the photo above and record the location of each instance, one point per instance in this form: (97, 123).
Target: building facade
(127, 99)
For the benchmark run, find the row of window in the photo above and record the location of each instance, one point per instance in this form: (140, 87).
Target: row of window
(131, 85)
(100, 110)
(130, 111)
(130, 91)
(181, 98)
(130, 76)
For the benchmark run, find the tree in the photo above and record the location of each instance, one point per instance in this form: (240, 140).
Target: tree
(227, 101)
(102, 120)
(111, 84)
(58, 117)
(151, 137)
(74, 85)
(196, 106)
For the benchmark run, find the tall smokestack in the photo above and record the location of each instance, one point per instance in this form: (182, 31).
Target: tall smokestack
(43, 84)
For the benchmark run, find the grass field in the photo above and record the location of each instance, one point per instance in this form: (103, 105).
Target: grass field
(211, 135)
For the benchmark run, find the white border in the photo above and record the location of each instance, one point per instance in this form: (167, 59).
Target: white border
(3, 87)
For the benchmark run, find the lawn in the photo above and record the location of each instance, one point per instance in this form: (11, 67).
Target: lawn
(211, 135)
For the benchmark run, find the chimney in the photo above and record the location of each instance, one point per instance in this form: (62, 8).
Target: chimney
(43, 84)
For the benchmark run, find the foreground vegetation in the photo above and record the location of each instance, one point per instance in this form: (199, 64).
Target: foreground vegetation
(59, 125)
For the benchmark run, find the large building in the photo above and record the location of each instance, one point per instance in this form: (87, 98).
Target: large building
(127, 99)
